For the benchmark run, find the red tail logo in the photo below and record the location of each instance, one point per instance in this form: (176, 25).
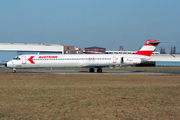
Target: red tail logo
(30, 60)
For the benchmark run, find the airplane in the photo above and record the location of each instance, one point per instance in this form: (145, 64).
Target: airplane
(90, 61)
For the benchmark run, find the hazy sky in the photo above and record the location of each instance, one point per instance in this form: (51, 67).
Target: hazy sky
(86, 23)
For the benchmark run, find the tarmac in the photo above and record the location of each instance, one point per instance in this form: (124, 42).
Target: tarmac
(122, 72)
(105, 71)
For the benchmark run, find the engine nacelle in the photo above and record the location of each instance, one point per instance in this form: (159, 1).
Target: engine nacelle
(126, 60)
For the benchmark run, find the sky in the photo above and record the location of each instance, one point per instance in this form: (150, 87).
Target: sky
(87, 23)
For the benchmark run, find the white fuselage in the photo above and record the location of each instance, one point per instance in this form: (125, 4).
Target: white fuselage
(75, 60)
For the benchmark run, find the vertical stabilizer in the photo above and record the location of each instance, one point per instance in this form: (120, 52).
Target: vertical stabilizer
(148, 48)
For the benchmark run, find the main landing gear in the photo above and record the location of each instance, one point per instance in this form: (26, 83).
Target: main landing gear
(99, 70)
(91, 69)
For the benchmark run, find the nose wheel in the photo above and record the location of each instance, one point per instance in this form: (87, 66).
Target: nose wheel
(14, 70)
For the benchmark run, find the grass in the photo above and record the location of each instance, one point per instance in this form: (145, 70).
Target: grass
(51, 96)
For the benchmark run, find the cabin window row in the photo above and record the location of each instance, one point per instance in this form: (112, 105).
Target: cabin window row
(76, 59)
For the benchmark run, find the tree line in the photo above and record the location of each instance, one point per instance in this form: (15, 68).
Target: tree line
(172, 51)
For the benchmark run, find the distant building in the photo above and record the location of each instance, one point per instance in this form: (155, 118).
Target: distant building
(125, 52)
(95, 50)
(26, 48)
(72, 50)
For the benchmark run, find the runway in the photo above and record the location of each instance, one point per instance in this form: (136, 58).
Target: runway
(128, 71)
(123, 72)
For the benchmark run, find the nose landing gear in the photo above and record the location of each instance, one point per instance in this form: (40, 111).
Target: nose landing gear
(14, 70)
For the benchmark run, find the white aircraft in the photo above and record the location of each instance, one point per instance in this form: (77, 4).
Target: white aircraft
(90, 61)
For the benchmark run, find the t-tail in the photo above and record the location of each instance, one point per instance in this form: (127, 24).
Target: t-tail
(148, 48)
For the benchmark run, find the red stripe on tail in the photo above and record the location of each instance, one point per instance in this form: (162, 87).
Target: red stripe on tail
(148, 48)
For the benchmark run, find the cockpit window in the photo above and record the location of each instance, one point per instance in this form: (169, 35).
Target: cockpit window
(16, 58)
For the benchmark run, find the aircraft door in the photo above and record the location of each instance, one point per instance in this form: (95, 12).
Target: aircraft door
(23, 59)
(122, 60)
(114, 59)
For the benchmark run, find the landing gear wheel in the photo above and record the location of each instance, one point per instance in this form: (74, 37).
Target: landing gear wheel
(99, 70)
(91, 69)
(14, 70)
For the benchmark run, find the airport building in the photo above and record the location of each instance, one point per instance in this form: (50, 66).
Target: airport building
(24, 48)
(95, 50)
(125, 52)
(72, 50)
(165, 59)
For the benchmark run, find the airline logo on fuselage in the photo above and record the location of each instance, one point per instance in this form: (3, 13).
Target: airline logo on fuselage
(40, 57)
(44, 57)
(31, 60)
